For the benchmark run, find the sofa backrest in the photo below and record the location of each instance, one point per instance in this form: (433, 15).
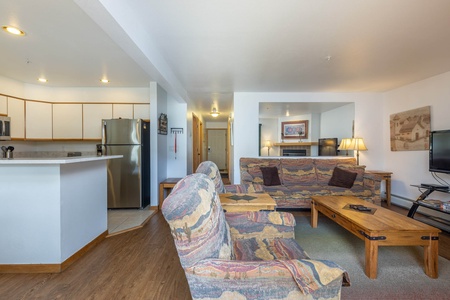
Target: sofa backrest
(297, 171)
(250, 169)
(197, 221)
(325, 167)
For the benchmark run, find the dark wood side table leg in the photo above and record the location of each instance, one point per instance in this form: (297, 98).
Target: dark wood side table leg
(388, 190)
(161, 195)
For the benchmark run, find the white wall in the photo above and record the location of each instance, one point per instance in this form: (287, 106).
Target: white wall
(411, 167)
(368, 111)
(337, 123)
(176, 162)
(216, 125)
(269, 131)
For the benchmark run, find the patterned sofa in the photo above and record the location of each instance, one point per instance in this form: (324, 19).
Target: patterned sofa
(249, 255)
(302, 178)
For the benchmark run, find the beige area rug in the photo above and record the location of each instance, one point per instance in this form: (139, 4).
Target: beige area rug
(400, 269)
(123, 220)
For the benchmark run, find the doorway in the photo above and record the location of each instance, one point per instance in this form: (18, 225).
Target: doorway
(197, 141)
(217, 150)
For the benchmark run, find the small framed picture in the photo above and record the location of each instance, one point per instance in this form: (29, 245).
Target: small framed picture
(162, 124)
(295, 129)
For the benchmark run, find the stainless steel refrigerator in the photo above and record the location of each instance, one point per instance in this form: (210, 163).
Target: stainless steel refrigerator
(128, 177)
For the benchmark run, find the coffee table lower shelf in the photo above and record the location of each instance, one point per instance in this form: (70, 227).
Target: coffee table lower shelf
(383, 228)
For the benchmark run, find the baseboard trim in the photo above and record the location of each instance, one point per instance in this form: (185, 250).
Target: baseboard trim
(52, 268)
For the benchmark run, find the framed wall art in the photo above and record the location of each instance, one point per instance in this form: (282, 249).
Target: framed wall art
(410, 130)
(295, 129)
(162, 124)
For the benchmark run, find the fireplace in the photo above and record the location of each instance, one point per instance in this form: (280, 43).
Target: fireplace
(293, 152)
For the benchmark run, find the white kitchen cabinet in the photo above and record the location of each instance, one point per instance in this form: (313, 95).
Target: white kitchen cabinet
(38, 121)
(3, 105)
(124, 111)
(16, 111)
(141, 111)
(67, 121)
(92, 119)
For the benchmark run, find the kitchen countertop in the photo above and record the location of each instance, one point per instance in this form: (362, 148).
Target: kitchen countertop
(54, 160)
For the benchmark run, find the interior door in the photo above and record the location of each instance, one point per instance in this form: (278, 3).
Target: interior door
(217, 147)
(196, 142)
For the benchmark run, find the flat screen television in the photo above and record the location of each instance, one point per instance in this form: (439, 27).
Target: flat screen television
(440, 151)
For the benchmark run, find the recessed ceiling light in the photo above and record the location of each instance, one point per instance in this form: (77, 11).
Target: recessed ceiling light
(13, 30)
(104, 80)
(42, 79)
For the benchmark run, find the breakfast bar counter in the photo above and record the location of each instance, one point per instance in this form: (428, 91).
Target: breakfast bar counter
(52, 210)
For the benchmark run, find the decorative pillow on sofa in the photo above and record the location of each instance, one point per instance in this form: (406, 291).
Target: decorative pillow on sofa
(270, 176)
(358, 169)
(342, 178)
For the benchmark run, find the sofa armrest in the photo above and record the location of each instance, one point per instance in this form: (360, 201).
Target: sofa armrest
(268, 279)
(373, 183)
(257, 224)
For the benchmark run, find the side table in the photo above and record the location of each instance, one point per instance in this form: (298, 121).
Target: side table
(386, 176)
(166, 186)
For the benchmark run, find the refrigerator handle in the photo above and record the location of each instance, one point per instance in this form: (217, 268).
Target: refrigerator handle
(104, 133)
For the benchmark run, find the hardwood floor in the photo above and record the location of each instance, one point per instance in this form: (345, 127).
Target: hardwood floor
(140, 264)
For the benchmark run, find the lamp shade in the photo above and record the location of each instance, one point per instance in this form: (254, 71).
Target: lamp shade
(345, 144)
(357, 144)
(268, 143)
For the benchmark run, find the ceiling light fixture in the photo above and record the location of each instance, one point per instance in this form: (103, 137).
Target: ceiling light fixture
(13, 30)
(104, 80)
(215, 113)
(42, 79)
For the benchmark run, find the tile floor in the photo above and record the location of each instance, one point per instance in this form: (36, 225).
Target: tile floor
(123, 220)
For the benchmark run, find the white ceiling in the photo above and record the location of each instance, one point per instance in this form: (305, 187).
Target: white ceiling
(203, 51)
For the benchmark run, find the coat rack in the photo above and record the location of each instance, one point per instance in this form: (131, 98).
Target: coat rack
(176, 131)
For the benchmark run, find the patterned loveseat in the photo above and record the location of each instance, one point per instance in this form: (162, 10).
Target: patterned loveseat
(249, 255)
(302, 178)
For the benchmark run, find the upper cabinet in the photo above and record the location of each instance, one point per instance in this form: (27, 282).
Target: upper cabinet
(3, 105)
(141, 111)
(38, 120)
(16, 111)
(124, 111)
(67, 121)
(92, 120)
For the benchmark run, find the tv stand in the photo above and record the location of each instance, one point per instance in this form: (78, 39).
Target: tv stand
(434, 186)
(420, 201)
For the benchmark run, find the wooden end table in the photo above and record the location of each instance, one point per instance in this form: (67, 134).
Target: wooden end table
(382, 228)
(166, 186)
(386, 176)
(247, 202)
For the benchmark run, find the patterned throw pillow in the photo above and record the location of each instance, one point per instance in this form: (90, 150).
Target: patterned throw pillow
(342, 178)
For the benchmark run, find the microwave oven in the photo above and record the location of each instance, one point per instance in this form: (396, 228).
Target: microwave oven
(5, 128)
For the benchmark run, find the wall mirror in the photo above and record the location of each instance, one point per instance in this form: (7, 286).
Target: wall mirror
(326, 120)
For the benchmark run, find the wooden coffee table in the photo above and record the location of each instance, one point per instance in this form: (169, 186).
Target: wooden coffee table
(247, 202)
(382, 228)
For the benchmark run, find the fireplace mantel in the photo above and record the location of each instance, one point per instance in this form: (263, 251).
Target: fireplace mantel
(296, 144)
